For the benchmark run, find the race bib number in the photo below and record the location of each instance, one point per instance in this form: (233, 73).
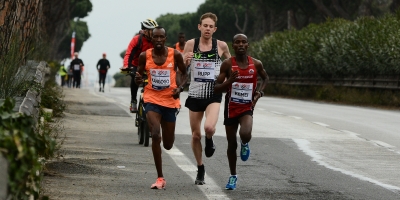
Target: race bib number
(242, 92)
(160, 79)
(77, 67)
(204, 71)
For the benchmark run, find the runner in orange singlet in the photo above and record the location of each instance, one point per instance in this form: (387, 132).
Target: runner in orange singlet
(161, 95)
(180, 45)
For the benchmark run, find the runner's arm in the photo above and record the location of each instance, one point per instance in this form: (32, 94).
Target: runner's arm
(225, 50)
(182, 69)
(264, 76)
(225, 73)
(141, 68)
(188, 52)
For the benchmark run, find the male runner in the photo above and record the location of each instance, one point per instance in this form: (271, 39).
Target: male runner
(76, 68)
(138, 44)
(102, 67)
(241, 73)
(180, 45)
(161, 95)
(204, 56)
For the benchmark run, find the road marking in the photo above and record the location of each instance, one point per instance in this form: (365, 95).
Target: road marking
(277, 113)
(305, 147)
(211, 190)
(295, 117)
(321, 124)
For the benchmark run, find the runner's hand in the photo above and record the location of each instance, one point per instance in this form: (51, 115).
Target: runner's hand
(187, 57)
(176, 92)
(257, 95)
(233, 77)
(138, 79)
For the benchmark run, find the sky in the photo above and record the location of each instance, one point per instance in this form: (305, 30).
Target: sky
(112, 24)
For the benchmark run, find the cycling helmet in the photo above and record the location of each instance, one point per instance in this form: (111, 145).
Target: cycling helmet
(149, 24)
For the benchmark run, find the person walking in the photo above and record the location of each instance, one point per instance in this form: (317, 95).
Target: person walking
(204, 56)
(102, 67)
(63, 75)
(240, 73)
(137, 45)
(161, 95)
(76, 68)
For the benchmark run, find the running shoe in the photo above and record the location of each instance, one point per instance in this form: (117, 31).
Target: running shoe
(100, 89)
(160, 183)
(245, 151)
(210, 147)
(133, 107)
(231, 185)
(200, 177)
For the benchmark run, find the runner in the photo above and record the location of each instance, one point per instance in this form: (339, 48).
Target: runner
(180, 45)
(104, 66)
(204, 56)
(241, 73)
(161, 95)
(76, 68)
(138, 44)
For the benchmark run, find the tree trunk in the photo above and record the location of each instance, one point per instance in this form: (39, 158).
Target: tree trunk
(365, 8)
(340, 10)
(241, 29)
(323, 9)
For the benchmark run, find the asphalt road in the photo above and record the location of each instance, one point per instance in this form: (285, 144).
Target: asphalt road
(300, 150)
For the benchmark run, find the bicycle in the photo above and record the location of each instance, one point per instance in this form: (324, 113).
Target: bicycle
(141, 120)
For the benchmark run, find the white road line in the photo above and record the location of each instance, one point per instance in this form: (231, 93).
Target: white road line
(321, 124)
(277, 113)
(211, 190)
(305, 147)
(295, 117)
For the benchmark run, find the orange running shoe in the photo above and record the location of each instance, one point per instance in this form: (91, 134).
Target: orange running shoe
(160, 183)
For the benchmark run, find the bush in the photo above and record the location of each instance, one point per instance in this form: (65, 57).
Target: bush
(336, 48)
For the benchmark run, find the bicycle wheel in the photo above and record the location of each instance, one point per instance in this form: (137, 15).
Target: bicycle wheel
(140, 124)
(146, 132)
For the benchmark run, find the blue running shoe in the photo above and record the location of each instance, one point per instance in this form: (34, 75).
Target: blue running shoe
(245, 151)
(231, 182)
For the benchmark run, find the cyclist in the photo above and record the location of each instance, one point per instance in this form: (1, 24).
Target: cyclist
(161, 95)
(138, 44)
(240, 73)
(204, 56)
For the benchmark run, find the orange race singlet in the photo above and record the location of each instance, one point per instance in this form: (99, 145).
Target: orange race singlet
(162, 81)
(178, 48)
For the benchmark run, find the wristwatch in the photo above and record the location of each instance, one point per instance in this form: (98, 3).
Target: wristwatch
(181, 87)
(261, 93)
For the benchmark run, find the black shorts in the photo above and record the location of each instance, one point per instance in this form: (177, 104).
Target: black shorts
(200, 105)
(235, 120)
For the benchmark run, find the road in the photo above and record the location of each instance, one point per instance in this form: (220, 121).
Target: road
(300, 150)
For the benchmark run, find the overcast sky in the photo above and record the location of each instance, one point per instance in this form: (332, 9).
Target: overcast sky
(112, 24)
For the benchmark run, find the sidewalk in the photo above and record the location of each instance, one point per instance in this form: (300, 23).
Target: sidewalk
(100, 157)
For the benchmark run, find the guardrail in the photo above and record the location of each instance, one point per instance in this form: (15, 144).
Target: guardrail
(29, 106)
(379, 82)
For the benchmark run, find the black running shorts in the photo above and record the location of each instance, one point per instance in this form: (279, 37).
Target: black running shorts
(200, 105)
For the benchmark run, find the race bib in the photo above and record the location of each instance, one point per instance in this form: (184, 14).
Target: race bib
(77, 67)
(160, 79)
(204, 71)
(242, 92)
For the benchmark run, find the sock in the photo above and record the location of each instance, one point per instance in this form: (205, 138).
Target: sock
(209, 141)
(200, 168)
